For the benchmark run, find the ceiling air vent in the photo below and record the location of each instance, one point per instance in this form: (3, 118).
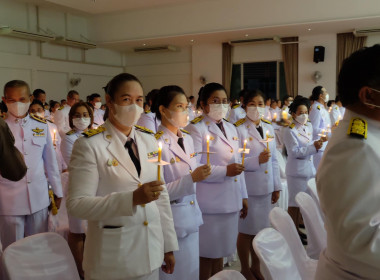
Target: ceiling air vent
(366, 32)
(274, 39)
(166, 48)
(23, 34)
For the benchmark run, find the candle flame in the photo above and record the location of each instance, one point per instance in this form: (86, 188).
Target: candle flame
(160, 145)
(245, 141)
(208, 137)
(54, 130)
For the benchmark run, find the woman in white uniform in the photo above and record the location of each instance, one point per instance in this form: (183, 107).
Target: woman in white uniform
(262, 177)
(320, 119)
(149, 119)
(298, 140)
(180, 176)
(114, 186)
(223, 195)
(81, 119)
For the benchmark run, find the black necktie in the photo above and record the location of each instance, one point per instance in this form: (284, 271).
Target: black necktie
(220, 125)
(260, 130)
(135, 160)
(180, 143)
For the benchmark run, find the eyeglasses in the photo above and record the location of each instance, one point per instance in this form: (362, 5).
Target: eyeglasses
(218, 101)
(78, 115)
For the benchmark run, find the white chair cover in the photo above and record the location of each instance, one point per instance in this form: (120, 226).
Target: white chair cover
(282, 222)
(228, 275)
(283, 201)
(312, 190)
(276, 259)
(316, 233)
(41, 256)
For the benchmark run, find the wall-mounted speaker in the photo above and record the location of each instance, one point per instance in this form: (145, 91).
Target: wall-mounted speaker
(319, 54)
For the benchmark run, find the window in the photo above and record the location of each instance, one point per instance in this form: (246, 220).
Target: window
(269, 77)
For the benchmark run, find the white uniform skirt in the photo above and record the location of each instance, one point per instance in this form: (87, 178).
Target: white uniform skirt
(218, 235)
(257, 219)
(296, 185)
(186, 259)
(153, 276)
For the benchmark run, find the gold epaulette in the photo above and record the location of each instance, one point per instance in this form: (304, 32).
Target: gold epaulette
(235, 106)
(158, 135)
(38, 118)
(184, 131)
(60, 108)
(266, 121)
(147, 112)
(144, 129)
(50, 121)
(358, 128)
(91, 132)
(291, 126)
(197, 120)
(240, 122)
(70, 132)
(318, 107)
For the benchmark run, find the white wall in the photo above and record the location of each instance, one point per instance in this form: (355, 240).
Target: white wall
(372, 40)
(307, 67)
(256, 53)
(159, 69)
(48, 66)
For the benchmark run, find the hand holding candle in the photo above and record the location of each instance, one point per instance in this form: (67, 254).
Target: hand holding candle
(284, 115)
(267, 136)
(159, 161)
(208, 149)
(245, 145)
(275, 117)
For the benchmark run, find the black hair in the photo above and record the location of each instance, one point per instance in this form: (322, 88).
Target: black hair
(337, 99)
(52, 104)
(71, 93)
(91, 106)
(191, 97)
(37, 92)
(63, 100)
(298, 101)
(252, 94)
(329, 103)
(92, 97)
(361, 69)
(207, 90)
(165, 97)
(37, 102)
(150, 97)
(113, 86)
(243, 92)
(316, 93)
(16, 84)
(285, 98)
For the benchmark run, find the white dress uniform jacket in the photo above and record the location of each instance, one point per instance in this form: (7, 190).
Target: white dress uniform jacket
(57, 145)
(236, 113)
(320, 119)
(61, 119)
(263, 178)
(68, 143)
(218, 193)
(98, 117)
(335, 114)
(348, 183)
(149, 121)
(186, 213)
(30, 194)
(102, 180)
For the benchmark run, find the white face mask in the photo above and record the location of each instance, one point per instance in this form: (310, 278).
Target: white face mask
(128, 115)
(255, 113)
(218, 111)
(302, 119)
(81, 123)
(41, 115)
(18, 109)
(327, 97)
(179, 119)
(98, 105)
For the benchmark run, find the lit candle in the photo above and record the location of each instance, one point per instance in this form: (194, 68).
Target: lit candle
(54, 136)
(267, 134)
(323, 132)
(159, 160)
(208, 149)
(284, 115)
(275, 116)
(245, 145)
(338, 120)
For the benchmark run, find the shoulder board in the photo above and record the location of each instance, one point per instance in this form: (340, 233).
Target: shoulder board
(184, 131)
(291, 126)
(147, 112)
(92, 132)
(358, 128)
(235, 106)
(336, 108)
(318, 107)
(38, 119)
(159, 134)
(240, 122)
(143, 129)
(197, 120)
(266, 121)
(308, 120)
(70, 132)
(49, 121)
(60, 108)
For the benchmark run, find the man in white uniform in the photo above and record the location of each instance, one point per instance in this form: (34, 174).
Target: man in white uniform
(96, 101)
(40, 95)
(24, 204)
(348, 179)
(61, 116)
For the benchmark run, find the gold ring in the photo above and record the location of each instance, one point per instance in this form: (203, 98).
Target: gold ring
(154, 194)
